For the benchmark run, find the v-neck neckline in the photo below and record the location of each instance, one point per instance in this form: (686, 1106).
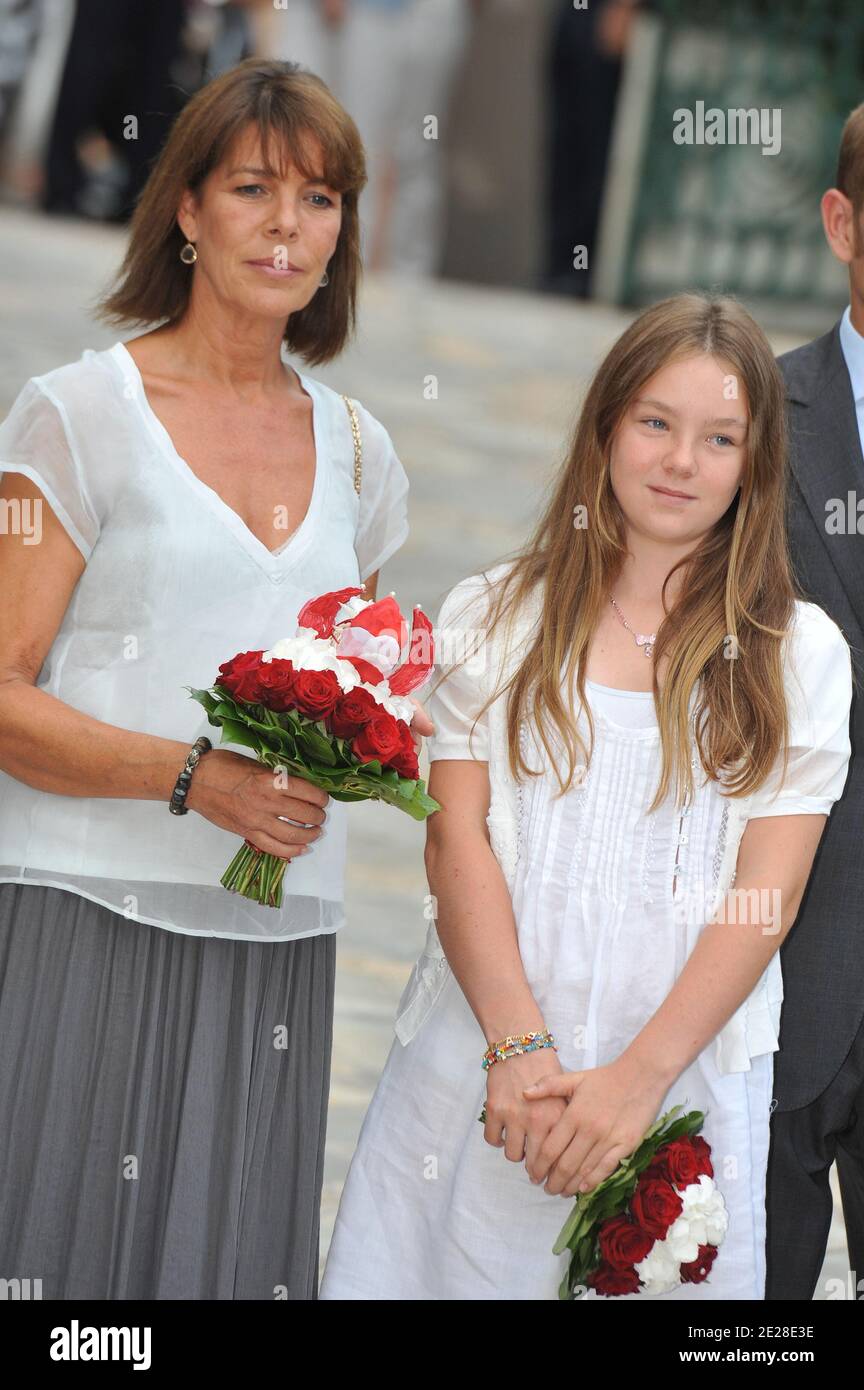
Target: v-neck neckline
(274, 563)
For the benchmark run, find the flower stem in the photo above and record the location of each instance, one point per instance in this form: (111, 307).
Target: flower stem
(255, 875)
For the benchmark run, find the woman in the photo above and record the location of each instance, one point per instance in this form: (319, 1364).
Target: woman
(164, 1076)
(595, 905)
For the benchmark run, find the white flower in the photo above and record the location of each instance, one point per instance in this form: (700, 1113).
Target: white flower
(308, 652)
(397, 705)
(703, 1220)
(659, 1270)
(351, 607)
(705, 1208)
(382, 651)
(682, 1240)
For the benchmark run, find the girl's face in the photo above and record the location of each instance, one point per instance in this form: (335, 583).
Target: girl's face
(678, 455)
(263, 242)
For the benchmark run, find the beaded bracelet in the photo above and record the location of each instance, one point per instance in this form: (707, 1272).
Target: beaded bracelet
(516, 1046)
(177, 805)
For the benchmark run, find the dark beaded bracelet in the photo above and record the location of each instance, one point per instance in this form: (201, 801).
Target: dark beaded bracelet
(177, 805)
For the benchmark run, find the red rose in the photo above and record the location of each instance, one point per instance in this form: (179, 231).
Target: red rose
(405, 761)
(239, 676)
(380, 738)
(622, 1243)
(352, 712)
(655, 1205)
(315, 692)
(699, 1269)
(276, 684)
(613, 1281)
(681, 1161)
(703, 1157)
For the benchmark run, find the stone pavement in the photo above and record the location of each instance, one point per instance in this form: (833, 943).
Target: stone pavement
(509, 368)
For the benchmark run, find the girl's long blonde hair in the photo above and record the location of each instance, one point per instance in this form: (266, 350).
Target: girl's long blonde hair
(738, 582)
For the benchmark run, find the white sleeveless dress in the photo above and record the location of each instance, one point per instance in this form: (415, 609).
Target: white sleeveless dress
(429, 1209)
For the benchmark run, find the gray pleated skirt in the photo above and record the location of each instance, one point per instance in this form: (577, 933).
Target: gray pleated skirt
(163, 1103)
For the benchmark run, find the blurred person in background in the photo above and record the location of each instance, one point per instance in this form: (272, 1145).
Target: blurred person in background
(391, 63)
(19, 30)
(34, 37)
(129, 70)
(584, 61)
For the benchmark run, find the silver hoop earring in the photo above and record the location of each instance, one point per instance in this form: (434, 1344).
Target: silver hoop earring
(325, 280)
(188, 255)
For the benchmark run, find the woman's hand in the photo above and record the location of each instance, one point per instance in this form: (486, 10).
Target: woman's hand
(241, 795)
(421, 725)
(522, 1122)
(608, 1111)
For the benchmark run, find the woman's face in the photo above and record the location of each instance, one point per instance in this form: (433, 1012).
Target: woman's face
(685, 433)
(263, 242)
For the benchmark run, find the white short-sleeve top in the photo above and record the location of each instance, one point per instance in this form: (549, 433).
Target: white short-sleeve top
(817, 683)
(594, 876)
(175, 584)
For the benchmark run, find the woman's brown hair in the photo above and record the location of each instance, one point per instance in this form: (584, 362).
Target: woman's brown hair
(287, 105)
(738, 583)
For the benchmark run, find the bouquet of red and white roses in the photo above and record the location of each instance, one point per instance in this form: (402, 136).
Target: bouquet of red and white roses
(329, 705)
(654, 1223)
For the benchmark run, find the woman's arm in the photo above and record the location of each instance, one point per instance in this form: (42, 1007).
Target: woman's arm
(53, 747)
(477, 929)
(610, 1107)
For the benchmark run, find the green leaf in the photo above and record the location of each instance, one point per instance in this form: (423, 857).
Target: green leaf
(316, 743)
(235, 732)
(372, 768)
(338, 795)
(202, 696)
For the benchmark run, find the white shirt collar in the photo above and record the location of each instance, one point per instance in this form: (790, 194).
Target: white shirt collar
(852, 345)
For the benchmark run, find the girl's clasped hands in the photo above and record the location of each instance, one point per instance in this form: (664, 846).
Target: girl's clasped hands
(571, 1127)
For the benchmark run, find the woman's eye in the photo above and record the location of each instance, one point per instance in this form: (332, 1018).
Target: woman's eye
(249, 188)
(328, 202)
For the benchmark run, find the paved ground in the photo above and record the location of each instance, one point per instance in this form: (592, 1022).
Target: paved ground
(510, 367)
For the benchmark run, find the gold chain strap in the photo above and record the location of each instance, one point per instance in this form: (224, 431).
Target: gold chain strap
(358, 445)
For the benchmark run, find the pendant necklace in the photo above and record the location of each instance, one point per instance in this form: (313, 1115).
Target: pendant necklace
(644, 640)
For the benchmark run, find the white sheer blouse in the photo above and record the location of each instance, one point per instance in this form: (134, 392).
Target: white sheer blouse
(175, 583)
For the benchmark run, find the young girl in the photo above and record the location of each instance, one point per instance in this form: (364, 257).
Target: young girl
(583, 863)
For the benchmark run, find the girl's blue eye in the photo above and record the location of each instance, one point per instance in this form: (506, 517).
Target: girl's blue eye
(654, 420)
(722, 436)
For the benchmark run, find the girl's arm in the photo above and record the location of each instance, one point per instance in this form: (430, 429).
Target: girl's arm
(477, 929)
(610, 1107)
(774, 863)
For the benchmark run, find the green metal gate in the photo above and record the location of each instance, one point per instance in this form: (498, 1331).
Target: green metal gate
(727, 215)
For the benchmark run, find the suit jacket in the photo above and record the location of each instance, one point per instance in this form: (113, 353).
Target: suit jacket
(823, 955)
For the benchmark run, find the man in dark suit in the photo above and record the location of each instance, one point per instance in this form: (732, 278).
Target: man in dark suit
(819, 1070)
